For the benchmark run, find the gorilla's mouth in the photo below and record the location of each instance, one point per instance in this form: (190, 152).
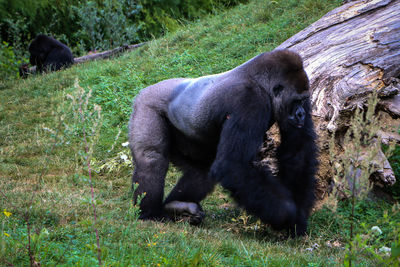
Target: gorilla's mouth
(296, 124)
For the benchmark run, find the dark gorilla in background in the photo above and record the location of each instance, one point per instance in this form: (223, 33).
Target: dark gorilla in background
(212, 128)
(48, 54)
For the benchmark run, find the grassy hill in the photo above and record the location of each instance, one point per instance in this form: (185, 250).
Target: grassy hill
(51, 124)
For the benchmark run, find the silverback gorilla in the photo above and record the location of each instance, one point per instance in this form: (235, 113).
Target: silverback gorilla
(48, 54)
(212, 129)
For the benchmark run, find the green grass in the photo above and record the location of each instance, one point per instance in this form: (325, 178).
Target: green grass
(45, 181)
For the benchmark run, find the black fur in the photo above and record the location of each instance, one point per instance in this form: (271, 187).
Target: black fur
(297, 161)
(48, 54)
(212, 128)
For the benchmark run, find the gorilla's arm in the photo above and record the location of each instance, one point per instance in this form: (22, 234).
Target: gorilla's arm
(253, 187)
(297, 161)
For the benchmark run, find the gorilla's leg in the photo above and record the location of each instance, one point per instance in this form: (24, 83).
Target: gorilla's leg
(149, 173)
(184, 200)
(149, 142)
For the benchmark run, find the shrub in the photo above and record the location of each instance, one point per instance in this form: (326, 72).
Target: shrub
(106, 25)
(8, 62)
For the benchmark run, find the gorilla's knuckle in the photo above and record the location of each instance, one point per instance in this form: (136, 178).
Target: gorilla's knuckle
(285, 215)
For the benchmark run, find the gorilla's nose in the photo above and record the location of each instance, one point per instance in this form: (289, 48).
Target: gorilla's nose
(300, 115)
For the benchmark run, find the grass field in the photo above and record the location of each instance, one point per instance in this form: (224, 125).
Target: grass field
(50, 125)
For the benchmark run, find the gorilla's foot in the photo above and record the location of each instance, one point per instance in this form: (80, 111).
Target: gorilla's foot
(185, 211)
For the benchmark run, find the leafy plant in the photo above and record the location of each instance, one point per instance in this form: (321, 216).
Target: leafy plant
(372, 243)
(8, 62)
(107, 25)
(353, 168)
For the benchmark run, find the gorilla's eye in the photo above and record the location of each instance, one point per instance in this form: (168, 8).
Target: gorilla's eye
(277, 89)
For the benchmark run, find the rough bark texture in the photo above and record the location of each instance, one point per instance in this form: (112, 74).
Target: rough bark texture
(349, 53)
(107, 54)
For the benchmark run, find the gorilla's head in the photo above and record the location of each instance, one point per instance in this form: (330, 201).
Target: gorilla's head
(289, 93)
(39, 48)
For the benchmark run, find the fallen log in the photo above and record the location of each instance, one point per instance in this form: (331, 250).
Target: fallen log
(348, 54)
(108, 54)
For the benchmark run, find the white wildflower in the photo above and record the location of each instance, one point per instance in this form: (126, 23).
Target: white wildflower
(385, 249)
(376, 230)
(125, 144)
(124, 157)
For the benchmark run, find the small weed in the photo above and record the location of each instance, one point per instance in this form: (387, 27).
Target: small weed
(352, 170)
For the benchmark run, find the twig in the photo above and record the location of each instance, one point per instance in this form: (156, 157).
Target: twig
(93, 204)
(28, 226)
(91, 184)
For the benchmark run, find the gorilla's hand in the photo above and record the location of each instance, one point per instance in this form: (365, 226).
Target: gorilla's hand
(186, 211)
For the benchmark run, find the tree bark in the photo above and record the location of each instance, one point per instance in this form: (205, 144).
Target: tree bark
(349, 53)
(107, 54)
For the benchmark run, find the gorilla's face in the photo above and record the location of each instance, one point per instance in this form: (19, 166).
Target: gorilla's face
(297, 114)
(291, 99)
